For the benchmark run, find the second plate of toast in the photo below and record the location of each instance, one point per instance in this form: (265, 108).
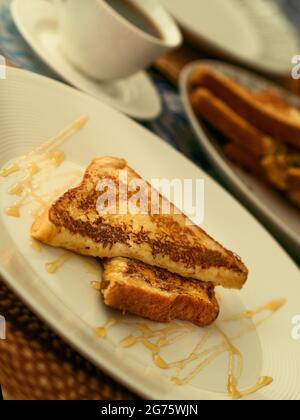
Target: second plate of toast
(247, 127)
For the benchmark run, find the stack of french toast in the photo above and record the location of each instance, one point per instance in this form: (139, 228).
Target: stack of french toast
(159, 266)
(262, 129)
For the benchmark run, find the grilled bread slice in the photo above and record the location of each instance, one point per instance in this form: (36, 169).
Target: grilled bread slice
(294, 196)
(169, 241)
(244, 159)
(293, 178)
(230, 124)
(156, 294)
(272, 116)
(281, 172)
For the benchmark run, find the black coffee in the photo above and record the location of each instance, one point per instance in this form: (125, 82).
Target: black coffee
(136, 16)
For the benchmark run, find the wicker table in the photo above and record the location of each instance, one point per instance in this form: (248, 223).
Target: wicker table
(36, 364)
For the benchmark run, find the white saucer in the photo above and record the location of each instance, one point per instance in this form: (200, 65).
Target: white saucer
(37, 22)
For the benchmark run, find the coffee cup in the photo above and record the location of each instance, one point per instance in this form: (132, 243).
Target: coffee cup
(114, 39)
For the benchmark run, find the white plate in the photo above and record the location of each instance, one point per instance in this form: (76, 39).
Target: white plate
(37, 22)
(33, 109)
(275, 212)
(254, 33)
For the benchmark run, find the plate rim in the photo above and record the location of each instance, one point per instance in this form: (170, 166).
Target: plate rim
(60, 328)
(14, 8)
(245, 195)
(253, 63)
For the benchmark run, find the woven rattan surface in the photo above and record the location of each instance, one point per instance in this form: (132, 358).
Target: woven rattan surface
(36, 364)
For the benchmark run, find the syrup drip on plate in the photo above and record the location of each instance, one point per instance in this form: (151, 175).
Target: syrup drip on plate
(102, 331)
(155, 340)
(32, 164)
(54, 266)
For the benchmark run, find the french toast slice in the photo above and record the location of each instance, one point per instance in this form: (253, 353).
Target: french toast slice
(293, 178)
(244, 159)
(156, 294)
(230, 124)
(294, 196)
(272, 116)
(168, 241)
(281, 172)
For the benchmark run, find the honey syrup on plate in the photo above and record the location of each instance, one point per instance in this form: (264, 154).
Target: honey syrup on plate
(155, 339)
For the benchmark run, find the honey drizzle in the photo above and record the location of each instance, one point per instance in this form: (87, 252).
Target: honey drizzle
(272, 307)
(216, 351)
(96, 285)
(206, 356)
(262, 383)
(54, 266)
(199, 368)
(102, 331)
(56, 157)
(24, 188)
(233, 378)
(9, 170)
(58, 139)
(36, 245)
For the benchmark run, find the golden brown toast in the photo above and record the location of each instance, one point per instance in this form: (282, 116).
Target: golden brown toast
(293, 178)
(230, 124)
(243, 158)
(168, 241)
(275, 172)
(264, 112)
(156, 294)
(281, 172)
(294, 196)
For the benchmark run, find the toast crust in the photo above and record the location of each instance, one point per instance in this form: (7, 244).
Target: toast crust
(155, 294)
(166, 241)
(279, 121)
(294, 196)
(230, 124)
(244, 159)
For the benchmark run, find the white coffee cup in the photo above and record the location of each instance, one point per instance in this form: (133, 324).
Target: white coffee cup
(104, 45)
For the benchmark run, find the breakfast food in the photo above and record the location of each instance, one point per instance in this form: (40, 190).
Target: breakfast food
(294, 196)
(243, 158)
(243, 117)
(169, 241)
(156, 294)
(264, 110)
(231, 124)
(159, 266)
